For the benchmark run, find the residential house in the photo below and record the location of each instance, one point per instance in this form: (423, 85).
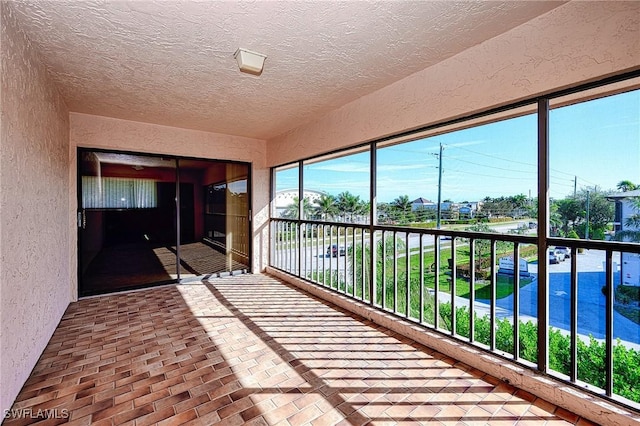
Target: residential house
(422, 204)
(469, 210)
(625, 208)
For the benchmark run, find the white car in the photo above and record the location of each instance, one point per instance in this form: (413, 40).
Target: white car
(553, 259)
(555, 256)
(565, 251)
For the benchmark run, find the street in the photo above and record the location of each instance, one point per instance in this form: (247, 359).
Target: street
(591, 300)
(315, 257)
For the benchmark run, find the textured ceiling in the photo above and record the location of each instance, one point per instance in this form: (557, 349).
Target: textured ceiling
(171, 62)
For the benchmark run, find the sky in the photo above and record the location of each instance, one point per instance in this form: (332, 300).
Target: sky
(591, 144)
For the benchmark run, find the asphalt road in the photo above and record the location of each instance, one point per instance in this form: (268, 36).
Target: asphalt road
(591, 300)
(314, 257)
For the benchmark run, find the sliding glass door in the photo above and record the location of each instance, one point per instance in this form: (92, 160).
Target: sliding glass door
(147, 220)
(215, 229)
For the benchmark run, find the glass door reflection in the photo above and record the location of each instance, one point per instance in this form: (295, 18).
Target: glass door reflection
(128, 221)
(147, 220)
(220, 220)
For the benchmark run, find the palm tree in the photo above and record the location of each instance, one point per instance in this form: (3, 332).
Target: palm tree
(384, 212)
(401, 209)
(348, 204)
(555, 220)
(402, 203)
(293, 209)
(626, 185)
(364, 208)
(326, 206)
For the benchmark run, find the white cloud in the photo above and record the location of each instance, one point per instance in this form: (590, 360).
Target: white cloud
(344, 167)
(399, 167)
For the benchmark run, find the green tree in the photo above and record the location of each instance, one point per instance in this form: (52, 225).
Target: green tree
(401, 210)
(364, 208)
(519, 201)
(555, 219)
(601, 213)
(402, 203)
(500, 206)
(570, 212)
(532, 207)
(385, 257)
(424, 214)
(626, 185)
(573, 213)
(293, 209)
(482, 247)
(384, 211)
(349, 205)
(326, 206)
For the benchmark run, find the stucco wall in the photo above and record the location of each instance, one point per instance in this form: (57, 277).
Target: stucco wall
(92, 131)
(576, 42)
(34, 279)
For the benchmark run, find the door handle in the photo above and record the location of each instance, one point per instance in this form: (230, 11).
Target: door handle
(82, 219)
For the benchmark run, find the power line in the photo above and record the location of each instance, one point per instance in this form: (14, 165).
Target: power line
(520, 162)
(492, 167)
(557, 182)
(496, 157)
(491, 176)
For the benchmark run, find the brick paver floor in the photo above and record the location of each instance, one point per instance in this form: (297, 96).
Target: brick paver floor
(251, 350)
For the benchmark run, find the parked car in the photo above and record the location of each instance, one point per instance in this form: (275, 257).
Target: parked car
(555, 256)
(564, 250)
(333, 250)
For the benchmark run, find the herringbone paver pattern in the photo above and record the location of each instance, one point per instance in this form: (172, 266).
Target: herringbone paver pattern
(251, 350)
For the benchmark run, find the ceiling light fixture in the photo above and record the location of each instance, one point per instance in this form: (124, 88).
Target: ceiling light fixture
(249, 62)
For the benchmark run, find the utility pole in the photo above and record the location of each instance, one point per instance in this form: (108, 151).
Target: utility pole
(586, 232)
(575, 185)
(439, 189)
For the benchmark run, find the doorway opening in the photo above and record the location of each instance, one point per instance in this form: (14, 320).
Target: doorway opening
(146, 220)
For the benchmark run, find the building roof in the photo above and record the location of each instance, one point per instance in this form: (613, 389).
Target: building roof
(421, 200)
(624, 194)
(285, 197)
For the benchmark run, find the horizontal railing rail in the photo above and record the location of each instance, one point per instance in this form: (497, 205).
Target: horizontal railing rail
(481, 288)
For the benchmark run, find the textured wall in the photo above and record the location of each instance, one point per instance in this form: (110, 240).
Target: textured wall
(576, 42)
(92, 131)
(34, 280)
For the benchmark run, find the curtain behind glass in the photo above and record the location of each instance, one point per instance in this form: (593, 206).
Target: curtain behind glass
(118, 193)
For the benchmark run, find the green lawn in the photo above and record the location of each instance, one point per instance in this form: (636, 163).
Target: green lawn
(630, 312)
(504, 283)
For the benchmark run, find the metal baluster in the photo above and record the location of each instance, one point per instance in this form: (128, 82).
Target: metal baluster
(453, 285)
(492, 332)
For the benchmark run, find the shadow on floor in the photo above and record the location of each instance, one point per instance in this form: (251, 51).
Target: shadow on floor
(251, 350)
